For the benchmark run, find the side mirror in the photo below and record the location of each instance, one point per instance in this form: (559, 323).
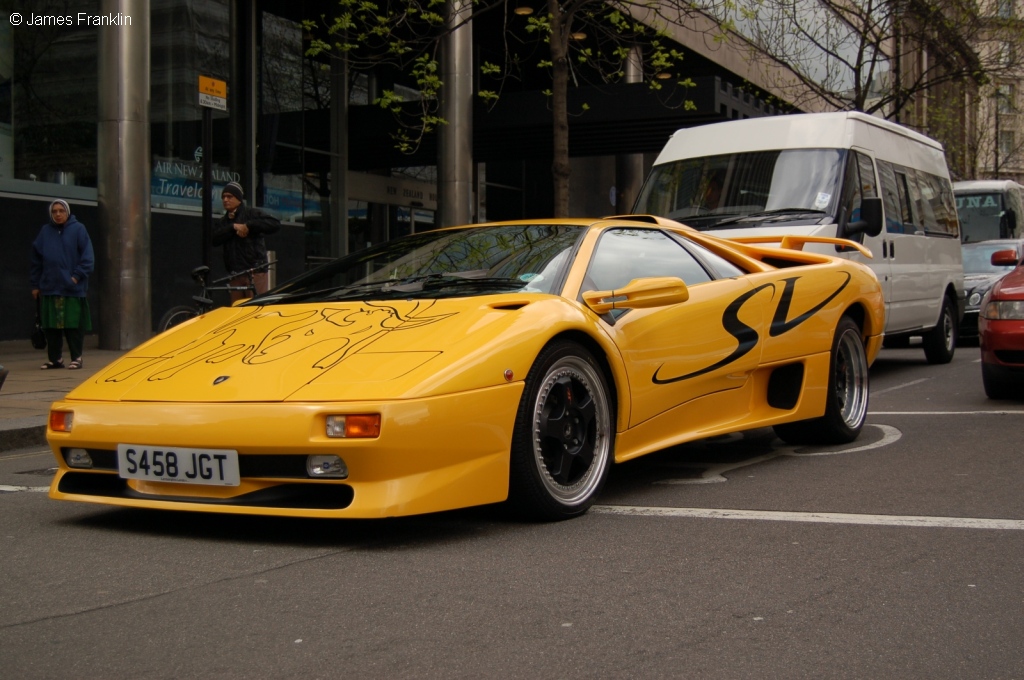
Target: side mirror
(870, 221)
(660, 291)
(1004, 258)
(1008, 224)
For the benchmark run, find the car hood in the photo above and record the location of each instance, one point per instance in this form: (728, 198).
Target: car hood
(342, 351)
(983, 281)
(1011, 286)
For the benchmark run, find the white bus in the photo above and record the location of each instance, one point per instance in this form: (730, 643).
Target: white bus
(988, 209)
(843, 174)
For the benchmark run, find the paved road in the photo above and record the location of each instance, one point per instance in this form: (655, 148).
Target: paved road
(899, 556)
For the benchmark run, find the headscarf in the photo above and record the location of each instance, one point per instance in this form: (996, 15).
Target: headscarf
(61, 201)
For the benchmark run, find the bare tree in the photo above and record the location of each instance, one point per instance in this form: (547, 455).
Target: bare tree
(876, 56)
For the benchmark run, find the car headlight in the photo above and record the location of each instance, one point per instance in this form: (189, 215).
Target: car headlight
(1004, 309)
(974, 300)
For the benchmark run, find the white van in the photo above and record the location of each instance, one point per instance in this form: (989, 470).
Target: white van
(843, 174)
(988, 209)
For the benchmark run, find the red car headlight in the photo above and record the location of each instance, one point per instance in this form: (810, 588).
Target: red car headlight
(1004, 309)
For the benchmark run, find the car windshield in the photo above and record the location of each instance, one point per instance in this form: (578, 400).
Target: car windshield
(980, 216)
(766, 186)
(446, 263)
(977, 258)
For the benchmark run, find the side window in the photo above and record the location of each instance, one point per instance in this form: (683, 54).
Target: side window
(945, 205)
(933, 210)
(867, 176)
(720, 266)
(903, 186)
(890, 198)
(626, 254)
(924, 197)
(851, 196)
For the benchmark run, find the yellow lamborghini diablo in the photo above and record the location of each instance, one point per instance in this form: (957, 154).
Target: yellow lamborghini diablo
(509, 361)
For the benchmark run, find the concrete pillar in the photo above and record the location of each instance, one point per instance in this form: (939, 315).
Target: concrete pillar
(123, 177)
(455, 150)
(629, 168)
(243, 105)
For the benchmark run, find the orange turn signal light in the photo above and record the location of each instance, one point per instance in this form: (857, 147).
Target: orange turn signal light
(60, 421)
(362, 426)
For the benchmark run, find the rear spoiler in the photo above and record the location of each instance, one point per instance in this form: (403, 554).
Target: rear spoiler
(797, 242)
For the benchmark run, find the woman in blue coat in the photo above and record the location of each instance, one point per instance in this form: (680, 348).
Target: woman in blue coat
(62, 262)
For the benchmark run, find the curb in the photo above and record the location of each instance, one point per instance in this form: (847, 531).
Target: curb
(22, 437)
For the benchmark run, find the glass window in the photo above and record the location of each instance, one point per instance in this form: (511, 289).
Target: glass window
(48, 110)
(980, 216)
(626, 254)
(444, 263)
(890, 198)
(704, 191)
(938, 209)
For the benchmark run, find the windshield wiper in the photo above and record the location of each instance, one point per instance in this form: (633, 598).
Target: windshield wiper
(778, 212)
(412, 284)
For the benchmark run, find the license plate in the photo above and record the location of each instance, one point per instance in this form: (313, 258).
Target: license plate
(218, 467)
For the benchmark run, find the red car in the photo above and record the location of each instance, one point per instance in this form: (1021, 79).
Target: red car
(1001, 330)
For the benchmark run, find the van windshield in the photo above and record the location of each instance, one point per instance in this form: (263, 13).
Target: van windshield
(798, 186)
(980, 216)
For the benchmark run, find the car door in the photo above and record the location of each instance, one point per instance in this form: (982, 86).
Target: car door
(678, 353)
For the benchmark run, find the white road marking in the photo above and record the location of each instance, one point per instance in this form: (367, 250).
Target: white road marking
(889, 435)
(817, 517)
(12, 489)
(715, 474)
(899, 387)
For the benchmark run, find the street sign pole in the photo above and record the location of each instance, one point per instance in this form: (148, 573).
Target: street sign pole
(213, 94)
(207, 186)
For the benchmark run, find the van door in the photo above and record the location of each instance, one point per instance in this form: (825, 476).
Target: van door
(902, 248)
(860, 182)
(916, 281)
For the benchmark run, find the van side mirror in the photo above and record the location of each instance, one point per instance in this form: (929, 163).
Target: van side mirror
(1004, 258)
(1008, 224)
(645, 293)
(870, 221)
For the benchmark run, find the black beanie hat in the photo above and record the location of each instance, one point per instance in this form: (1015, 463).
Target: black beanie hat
(235, 189)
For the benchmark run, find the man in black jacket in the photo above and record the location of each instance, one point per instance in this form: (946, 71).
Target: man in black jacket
(241, 231)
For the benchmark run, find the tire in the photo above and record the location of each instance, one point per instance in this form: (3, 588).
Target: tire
(174, 316)
(940, 342)
(846, 407)
(563, 438)
(996, 384)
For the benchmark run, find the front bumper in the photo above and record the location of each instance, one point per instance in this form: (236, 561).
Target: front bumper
(432, 454)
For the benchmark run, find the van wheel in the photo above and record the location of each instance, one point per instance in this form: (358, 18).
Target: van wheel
(562, 441)
(846, 407)
(940, 342)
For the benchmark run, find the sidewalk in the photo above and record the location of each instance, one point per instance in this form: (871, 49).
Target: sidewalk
(27, 392)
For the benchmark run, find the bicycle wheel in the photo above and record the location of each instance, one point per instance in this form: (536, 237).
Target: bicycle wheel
(174, 316)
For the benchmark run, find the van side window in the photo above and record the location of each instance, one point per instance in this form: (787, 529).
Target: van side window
(947, 214)
(867, 175)
(903, 184)
(859, 181)
(922, 206)
(938, 209)
(890, 198)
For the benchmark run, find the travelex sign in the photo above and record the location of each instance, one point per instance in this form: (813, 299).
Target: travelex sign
(178, 182)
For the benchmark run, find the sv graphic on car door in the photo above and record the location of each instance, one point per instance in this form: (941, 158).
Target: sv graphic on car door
(677, 353)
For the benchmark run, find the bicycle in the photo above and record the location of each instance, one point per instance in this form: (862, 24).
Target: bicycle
(203, 302)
